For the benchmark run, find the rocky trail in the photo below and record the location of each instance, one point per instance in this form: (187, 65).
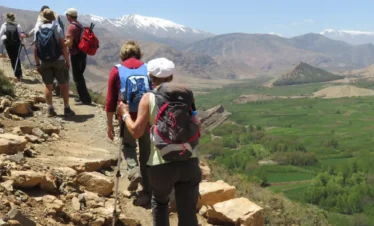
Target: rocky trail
(61, 171)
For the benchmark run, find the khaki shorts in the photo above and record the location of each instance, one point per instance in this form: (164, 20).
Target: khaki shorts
(54, 70)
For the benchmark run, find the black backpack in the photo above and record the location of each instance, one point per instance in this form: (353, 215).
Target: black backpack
(175, 134)
(11, 33)
(48, 48)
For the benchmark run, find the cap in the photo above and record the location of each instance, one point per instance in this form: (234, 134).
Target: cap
(72, 12)
(161, 67)
(48, 15)
(44, 7)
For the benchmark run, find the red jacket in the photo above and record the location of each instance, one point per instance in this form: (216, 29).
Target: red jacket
(112, 97)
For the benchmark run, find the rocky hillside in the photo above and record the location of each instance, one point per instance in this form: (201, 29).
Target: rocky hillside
(305, 73)
(61, 171)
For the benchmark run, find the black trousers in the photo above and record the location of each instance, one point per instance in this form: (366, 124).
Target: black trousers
(78, 64)
(184, 177)
(12, 51)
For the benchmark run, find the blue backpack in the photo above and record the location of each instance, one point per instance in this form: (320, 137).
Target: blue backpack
(134, 83)
(48, 48)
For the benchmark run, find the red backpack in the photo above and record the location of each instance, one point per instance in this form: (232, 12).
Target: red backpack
(88, 43)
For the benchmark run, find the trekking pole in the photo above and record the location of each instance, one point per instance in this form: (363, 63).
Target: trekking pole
(118, 173)
(19, 51)
(27, 54)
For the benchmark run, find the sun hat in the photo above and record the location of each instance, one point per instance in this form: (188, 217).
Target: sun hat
(72, 12)
(161, 68)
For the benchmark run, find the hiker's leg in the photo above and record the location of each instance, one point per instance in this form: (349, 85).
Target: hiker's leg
(78, 64)
(187, 192)
(18, 71)
(63, 80)
(129, 149)
(144, 152)
(12, 54)
(161, 181)
(47, 72)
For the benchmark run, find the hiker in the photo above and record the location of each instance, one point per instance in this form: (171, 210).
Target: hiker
(131, 65)
(39, 22)
(12, 35)
(51, 50)
(173, 162)
(78, 58)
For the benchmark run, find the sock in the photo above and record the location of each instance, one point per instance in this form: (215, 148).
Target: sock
(67, 106)
(50, 107)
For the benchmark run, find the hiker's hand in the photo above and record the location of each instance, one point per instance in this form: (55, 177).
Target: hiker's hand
(123, 109)
(38, 69)
(67, 65)
(23, 35)
(110, 131)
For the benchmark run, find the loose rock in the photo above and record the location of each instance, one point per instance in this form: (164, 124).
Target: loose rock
(16, 214)
(26, 179)
(96, 182)
(11, 144)
(49, 183)
(239, 211)
(21, 108)
(215, 192)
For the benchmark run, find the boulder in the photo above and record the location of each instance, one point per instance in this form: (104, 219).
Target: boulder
(239, 211)
(37, 132)
(91, 165)
(129, 221)
(65, 171)
(16, 214)
(26, 129)
(32, 138)
(7, 112)
(48, 129)
(17, 131)
(17, 158)
(215, 192)
(21, 108)
(11, 144)
(5, 103)
(49, 183)
(26, 179)
(75, 204)
(96, 182)
(7, 185)
(205, 171)
(52, 203)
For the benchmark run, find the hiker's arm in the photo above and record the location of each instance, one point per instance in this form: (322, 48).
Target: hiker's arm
(64, 50)
(111, 100)
(37, 60)
(2, 30)
(138, 127)
(69, 36)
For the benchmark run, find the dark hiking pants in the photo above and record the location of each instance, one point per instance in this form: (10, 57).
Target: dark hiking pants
(184, 177)
(78, 65)
(129, 151)
(12, 51)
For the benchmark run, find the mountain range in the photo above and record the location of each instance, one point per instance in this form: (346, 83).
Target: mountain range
(351, 37)
(203, 55)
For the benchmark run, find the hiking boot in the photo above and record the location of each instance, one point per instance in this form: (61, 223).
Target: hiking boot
(52, 112)
(134, 182)
(144, 199)
(68, 112)
(79, 102)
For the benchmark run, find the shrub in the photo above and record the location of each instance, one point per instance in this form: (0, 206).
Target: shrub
(6, 88)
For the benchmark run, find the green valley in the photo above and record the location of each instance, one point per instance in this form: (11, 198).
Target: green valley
(313, 150)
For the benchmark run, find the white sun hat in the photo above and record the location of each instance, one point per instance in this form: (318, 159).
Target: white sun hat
(161, 68)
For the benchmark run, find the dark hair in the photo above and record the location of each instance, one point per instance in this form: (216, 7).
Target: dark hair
(74, 17)
(161, 80)
(44, 7)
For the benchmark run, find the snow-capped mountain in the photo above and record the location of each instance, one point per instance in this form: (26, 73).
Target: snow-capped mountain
(349, 36)
(138, 25)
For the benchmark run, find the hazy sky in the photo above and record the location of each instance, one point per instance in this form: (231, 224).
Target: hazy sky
(285, 17)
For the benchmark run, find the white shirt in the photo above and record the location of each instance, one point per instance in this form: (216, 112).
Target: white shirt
(3, 29)
(39, 22)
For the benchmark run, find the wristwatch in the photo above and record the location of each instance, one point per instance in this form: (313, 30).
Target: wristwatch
(125, 116)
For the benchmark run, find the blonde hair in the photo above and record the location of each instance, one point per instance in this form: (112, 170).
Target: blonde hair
(130, 49)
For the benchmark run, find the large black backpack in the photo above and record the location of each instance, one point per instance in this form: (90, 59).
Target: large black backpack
(11, 33)
(48, 48)
(175, 134)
